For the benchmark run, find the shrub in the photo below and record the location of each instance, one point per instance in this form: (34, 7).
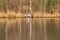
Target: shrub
(36, 7)
(50, 4)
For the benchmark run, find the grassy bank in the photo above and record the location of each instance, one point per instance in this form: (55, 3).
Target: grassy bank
(20, 15)
(46, 15)
(11, 15)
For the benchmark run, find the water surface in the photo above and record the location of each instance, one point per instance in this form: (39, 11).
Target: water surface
(30, 29)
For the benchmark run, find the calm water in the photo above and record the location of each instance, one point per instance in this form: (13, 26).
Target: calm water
(30, 29)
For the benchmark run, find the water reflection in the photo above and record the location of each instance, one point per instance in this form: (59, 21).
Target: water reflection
(51, 29)
(30, 29)
(2, 30)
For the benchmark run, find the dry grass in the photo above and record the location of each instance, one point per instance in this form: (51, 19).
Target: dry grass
(10, 15)
(46, 15)
(18, 15)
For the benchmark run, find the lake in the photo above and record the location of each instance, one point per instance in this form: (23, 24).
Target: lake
(30, 29)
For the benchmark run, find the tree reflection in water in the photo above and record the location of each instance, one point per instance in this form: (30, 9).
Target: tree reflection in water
(30, 29)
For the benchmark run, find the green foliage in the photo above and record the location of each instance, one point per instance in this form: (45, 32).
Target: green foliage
(3, 5)
(50, 4)
(9, 5)
(36, 7)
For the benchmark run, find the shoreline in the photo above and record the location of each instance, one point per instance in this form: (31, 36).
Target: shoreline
(36, 15)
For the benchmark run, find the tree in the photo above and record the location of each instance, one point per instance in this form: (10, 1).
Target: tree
(50, 5)
(11, 5)
(1, 5)
(36, 7)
